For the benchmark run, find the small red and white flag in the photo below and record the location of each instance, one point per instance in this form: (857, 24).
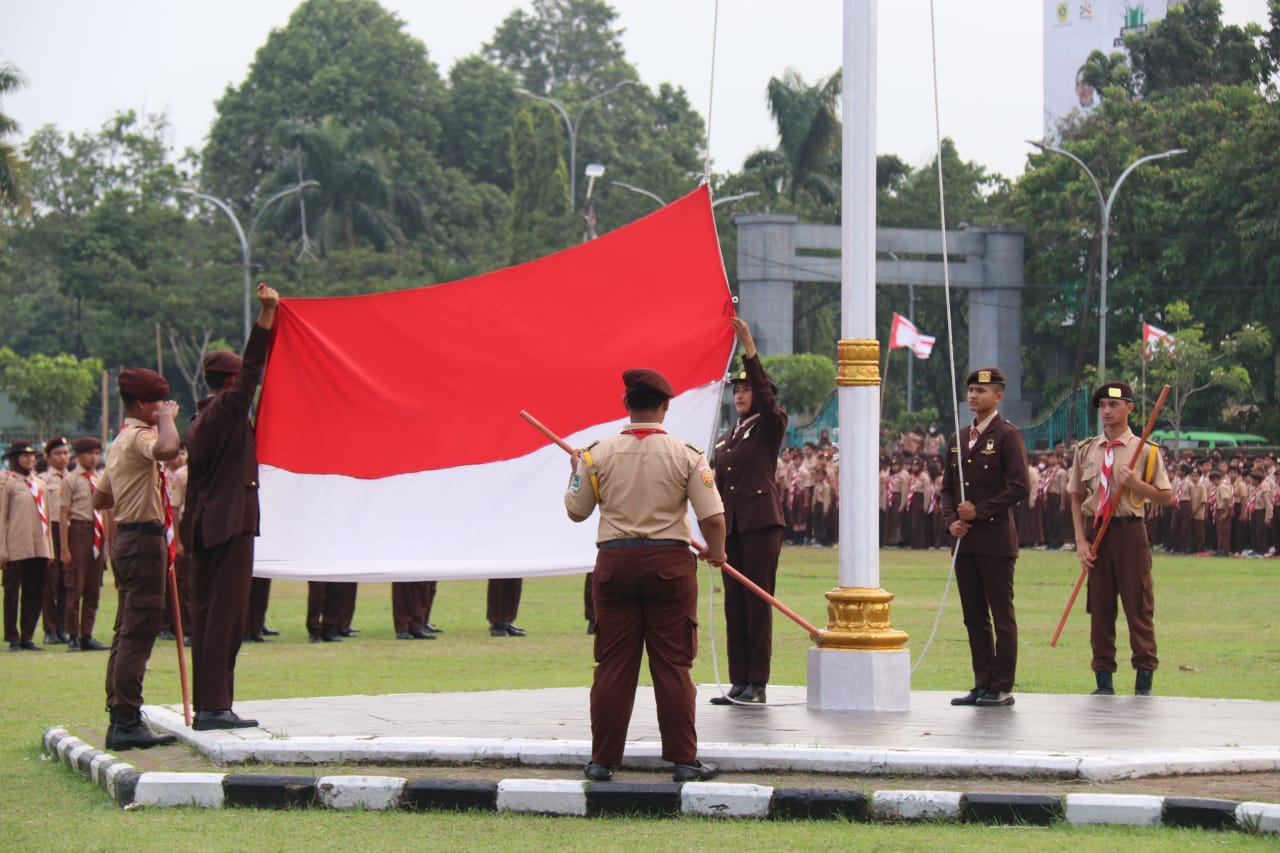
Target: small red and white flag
(1153, 339)
(903, 333)
(389, 438)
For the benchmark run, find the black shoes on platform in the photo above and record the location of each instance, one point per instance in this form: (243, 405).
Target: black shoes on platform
(598, 772)
(984, 698)
(698, 771)
(742, 694)
(734, 692)
(129, 731)
(228, 719)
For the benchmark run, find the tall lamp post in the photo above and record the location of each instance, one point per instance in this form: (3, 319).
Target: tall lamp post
(571, 126)
(247, 241)
(593, 171)
(1104, 211)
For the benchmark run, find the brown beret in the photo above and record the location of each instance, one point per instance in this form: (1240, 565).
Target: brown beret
(142, 384)
(53, 444)
(641, 377)
(221, 361)
(86, 444)
(18, 449)
(986, 376)
(1112, 391)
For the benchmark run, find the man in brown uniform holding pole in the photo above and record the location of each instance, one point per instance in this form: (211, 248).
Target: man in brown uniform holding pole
(1123, 563)
(133, 488)
(645, 583)
(990, 459)
(220, 519)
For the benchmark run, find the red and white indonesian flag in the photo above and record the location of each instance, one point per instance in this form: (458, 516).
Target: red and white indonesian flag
(903, 333)
(1153, 339)
(389, 437)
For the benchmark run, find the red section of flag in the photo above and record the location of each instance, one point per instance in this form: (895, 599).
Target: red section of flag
(1153, 338)
(431, 378)
(903, 333)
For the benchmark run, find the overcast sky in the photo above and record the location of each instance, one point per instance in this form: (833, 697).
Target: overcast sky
(87, 59)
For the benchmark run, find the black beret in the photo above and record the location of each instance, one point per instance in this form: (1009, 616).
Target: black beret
(641, 377)
(221, 361)
(86, 444)
(142, 384)
(18, 449)
(986, 376)
(53, 444)
(1112, 391)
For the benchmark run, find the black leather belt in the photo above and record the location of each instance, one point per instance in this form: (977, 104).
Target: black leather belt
(147, 528)
(1123, 519)
(642, 543)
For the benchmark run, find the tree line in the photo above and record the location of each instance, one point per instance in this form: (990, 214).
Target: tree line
(425, 176)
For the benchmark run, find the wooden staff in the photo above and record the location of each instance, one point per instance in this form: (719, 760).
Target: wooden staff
(730, 570)
(1110, 514)
(182, 656)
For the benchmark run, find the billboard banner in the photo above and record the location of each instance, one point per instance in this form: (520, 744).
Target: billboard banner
(1072, 31)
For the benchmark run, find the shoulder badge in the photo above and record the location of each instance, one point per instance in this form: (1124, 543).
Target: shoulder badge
(592, 444)
(1082, 442)
(695, 448)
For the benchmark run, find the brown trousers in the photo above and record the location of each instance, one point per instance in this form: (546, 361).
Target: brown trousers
(1123, 569)
(645, 598)
(259, 596)
(749, 618)
(23, 585)
(82, 580)
(1223, 525)
(985, 584)
(138, 563)
(224, 574)
(411, 604)
(53, 597)
(324, 606)
(503, 600)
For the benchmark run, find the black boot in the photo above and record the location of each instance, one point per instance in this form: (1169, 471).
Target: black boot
(128, 731)
(1105, 687)
(1142, 684)
(74, 645)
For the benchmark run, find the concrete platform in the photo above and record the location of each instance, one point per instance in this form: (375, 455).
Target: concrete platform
(1046, 736)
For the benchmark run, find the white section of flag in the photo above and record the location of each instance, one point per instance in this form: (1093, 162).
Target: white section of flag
(1153, 338)
(497, 519)
(903, 333)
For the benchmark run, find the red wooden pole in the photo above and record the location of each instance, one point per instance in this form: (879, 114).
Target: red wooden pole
(182, 657)
(732, 572)
(1106, 521)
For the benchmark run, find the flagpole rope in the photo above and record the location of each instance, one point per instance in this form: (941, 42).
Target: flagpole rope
(951, 345)
(711, 94)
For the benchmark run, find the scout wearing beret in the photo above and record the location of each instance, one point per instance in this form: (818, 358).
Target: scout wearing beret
(990, 460)
(25, 546)
(53, 598)
(132, 487)
(83, 547)
(746, 477)
(645, 579)
(1122, 567)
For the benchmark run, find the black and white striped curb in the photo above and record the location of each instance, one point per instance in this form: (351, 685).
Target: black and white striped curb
(129, 788)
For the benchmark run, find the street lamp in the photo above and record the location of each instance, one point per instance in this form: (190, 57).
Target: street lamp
(246, 241)
(1104, 208)
(656, 198)
(572, 127)
(593, 171)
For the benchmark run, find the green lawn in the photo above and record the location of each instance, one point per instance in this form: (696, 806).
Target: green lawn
(1215, 616)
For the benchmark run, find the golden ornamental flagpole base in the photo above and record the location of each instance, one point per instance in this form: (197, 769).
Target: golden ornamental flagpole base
(858, 361)
(858, 620)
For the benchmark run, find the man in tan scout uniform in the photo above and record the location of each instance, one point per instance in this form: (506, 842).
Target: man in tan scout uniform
(1122, 566)
(58, 455)
(645, 581)
(83, 547)
(25, 546)
(131, 487)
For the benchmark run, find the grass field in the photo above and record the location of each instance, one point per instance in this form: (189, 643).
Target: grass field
(1217, 625)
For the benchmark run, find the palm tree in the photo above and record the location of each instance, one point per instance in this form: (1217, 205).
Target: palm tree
(807, 159)
(12, 193)
(358, 199)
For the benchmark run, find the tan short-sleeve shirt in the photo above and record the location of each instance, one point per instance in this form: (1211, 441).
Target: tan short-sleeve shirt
(647, 479)
(77, 495)
(23, 536)
(131, 476)
(53, 480)
(1087, 470)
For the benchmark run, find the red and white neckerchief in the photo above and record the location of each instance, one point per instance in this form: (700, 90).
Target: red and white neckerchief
(643, 432)
(933, 501)
(888, 490)
(1253, 501)
(1104, 481)
(38, 494)
(98, 527)
(1212, 503)
(1177, 493)
(1042, 487)
(974, 432)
